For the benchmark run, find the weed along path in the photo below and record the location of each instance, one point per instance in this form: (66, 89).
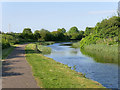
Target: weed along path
(16, 72)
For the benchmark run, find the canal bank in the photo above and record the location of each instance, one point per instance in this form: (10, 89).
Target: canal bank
(104, 73)
(52, 74)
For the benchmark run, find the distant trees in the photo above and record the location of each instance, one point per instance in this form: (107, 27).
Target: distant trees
(61, 30)
(45, 35)
(41, 35)
(105, 31)
(73, 30)
(37, 35)
(57, 36)
(27, 34)
(75, 34)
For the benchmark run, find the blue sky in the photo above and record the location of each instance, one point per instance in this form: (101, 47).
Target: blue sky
(53, 15)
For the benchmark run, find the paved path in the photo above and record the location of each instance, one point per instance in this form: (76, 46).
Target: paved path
(17, 72)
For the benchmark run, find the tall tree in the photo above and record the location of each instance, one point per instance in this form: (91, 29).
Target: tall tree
(37, 35)
(73, 30)
(61, 30)
(27, 34)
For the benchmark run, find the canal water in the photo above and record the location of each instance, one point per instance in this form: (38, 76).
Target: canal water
(104, 73)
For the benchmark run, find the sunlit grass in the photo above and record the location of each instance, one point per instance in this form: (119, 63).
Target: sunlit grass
(52, 74)
(6, 52)
(44, 49)
(102, 52)
(76, 45)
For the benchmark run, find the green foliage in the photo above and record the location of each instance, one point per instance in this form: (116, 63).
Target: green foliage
(41, 35)
(61, 30)
(43, 49)
(5, 44)
(108, 27)
(91, 39)
(8, 40)
(27, 34)
(58, 36)
(27, 31)
(88, 30)
(73, 30)
(75, 34)
(105, 32)
(45, 35)
(76, 45)
(37, 35)
(102, 53)
(6, 51)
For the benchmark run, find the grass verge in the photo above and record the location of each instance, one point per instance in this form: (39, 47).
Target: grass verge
(6, 52)
(102, 52)
(76, 45)
(52, 74)
(44, 49)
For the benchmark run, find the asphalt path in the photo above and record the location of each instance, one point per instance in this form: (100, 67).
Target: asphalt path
(16, 72)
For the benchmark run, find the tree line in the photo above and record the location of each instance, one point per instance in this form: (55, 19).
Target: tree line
(41, 35)
(105, 32)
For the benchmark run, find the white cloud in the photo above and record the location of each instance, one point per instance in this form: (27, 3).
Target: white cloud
(103, 12)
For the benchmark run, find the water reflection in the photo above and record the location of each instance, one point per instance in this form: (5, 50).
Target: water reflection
(104, 73)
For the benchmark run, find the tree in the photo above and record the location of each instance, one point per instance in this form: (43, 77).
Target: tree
(27, 31)
(37, 35)
(88, 30)
(61, 30)
(58, 36)
(73, 33)
(73, 30)
(45, 35)
(27, 34)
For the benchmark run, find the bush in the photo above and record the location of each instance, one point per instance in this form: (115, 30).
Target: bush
(91, 39)
(44, 49)
(5, 44)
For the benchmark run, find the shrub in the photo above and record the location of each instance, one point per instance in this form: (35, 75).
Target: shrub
(44, 49)
(5, 44)
(91, 39)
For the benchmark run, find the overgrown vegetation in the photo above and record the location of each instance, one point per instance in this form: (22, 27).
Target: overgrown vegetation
(101, 41)
(6, 52)
(43, 49)
(52, 74)
(102, 53)
(105, 32)
(76, 45)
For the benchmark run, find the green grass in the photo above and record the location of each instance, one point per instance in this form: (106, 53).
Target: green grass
(102, 52)
(76, 45)
(52, 74)
(44, 49)
(6, 52)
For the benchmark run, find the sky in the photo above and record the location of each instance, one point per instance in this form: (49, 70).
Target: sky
(53, 15)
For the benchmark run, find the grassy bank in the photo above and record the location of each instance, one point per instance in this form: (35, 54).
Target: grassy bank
(102, 52)
(43, 49)
(6, 52)
(52, 74)
(76, 45)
